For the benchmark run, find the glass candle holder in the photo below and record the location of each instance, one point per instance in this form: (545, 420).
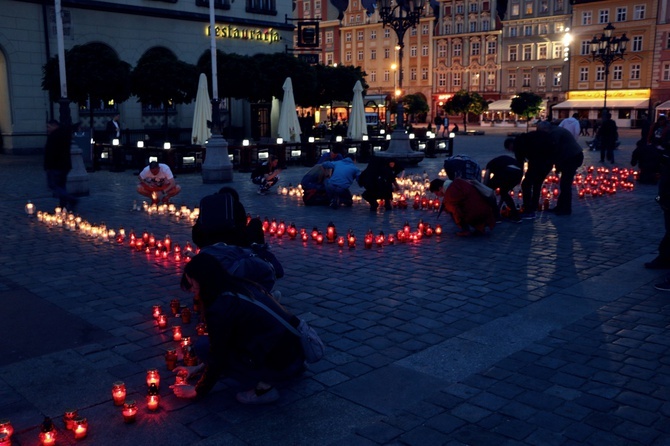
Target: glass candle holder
(162, 321)
(153, 398)
(5, 440)
(175, 306)
(129, 411)
(153, 377)
(185, 315)
(171, 359)
(80, 428)
(69, 417)
(6, 428)
(157, 311)
(176, 333)
(119, 393)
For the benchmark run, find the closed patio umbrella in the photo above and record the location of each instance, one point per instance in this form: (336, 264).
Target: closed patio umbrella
(357, 125)
(202, 113)
(288, 127)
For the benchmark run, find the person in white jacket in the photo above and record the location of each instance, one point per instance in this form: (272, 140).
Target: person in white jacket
(572, 125)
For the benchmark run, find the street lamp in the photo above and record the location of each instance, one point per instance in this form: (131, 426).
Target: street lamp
(400, 16)
(607, 49)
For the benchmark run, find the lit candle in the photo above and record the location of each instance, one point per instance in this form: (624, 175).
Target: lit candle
(153, 377)
(69, 417)
(80, 428)
(129, 411)
(157, 311)
(171, 359)
(185, 315)
(6, 428)
(48, 433)
(152, 397)
(176, 333)
(319, 238)
(331, 233)
(175, 306)
(5, 440)
(119, 393)
(340, 241)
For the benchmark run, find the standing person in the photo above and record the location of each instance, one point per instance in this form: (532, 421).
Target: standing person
(608, 136)
(57, 162)
(343, 176)
(656, 132)
(266, 175)
(567, 156)
(535, 148)
(504, 173)
(445, 128)
(158, 183)
(246, 342)
(114, 128)
(439, 122)
(572, 125)
(662, 260)
(380, 180)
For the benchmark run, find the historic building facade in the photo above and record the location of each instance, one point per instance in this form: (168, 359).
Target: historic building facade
(130, 28)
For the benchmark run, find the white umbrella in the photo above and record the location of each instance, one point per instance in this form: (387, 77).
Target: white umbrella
(289, 127)
(357, 125)
(202, 113)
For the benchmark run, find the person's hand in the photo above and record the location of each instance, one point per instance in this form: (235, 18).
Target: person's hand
(189, 370)
(183, 391)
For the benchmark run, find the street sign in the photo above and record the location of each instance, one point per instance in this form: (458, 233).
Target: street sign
(310, 58)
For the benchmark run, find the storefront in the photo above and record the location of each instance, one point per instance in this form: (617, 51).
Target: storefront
(626, 106)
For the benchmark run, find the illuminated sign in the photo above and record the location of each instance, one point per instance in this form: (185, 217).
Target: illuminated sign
(234, 32)
(611, 94)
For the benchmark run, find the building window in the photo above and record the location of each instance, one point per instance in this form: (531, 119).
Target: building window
(347, 56)
(542, 79)
(543, 28)
(666, 72)
(636, 44)
(515, 9)
(491, 78)
(373, 76)
(459, 28)
(412, 74)
(258, 6)
(621, 14)
(667, 42)
(491, 47)
(639, 12)
(473, 7)
(558, 5)
(317, 5)
(387, 76)
(583, 74)
(585, 48)
(529, 8)
(412, 32)
(512, 31)
(544, 6)
(527, 52)
(635, 71)
(459, 9)
(485, 25)
(360, 36)
(373, 54)
(587, 18)
(442, 50)
(513, 53)
(542, 51)
(424, 74)
(617, 72)
(373, 35)
(329, 58)
(527, 30)
(424, 30)
(511, 80)
(474, 48)
(473, 27)
(557, 78)
(457, 49)
(387, 33)
(604, 16)
(387, 53)
(600, 73)
(347, 37)
(456, 80)
(424, 50)
(441, 80)
(360, 55)
(526, 79)
(329, 37)
(305, 6)
(412, 51)
(447, 28)
(558, 51)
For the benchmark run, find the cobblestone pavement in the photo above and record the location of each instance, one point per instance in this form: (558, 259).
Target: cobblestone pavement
(548, 332)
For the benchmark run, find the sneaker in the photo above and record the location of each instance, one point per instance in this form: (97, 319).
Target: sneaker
(255, 396)
(527, 216)
(663, 286)
(657, 264)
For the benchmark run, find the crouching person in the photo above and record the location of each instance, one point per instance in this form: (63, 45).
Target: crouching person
(246, 342)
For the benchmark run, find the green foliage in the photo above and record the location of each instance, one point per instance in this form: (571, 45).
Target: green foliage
(464, 102)
(161, 79)
(93, 71)
(526, 104)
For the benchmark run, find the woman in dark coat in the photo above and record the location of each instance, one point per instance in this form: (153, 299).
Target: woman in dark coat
(380, 180)
(246, 342)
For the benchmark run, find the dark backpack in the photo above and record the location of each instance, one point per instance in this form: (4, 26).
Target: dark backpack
(217, 213)
(244, 263)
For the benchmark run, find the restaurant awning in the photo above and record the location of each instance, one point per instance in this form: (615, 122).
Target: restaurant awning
(372, 100)
(664, 106)
(501, 105)
(573, 104)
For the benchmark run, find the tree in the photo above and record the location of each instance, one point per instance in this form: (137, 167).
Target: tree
(336, 84)
(526, 104)
(464, 102)
(415, 104)
(160, 79)
(94, 73)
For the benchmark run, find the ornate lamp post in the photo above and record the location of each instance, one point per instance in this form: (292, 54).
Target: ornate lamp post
(607, 49)
(400, 15)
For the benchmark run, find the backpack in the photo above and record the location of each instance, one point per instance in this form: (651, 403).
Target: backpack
(244, 263)
(217, 213)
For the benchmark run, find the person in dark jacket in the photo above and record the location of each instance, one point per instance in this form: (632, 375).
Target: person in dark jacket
(607, 136)
(567, 156)
(646, 157)
(57, 162)
(504, 173)
(380, 180)
(246, 342)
